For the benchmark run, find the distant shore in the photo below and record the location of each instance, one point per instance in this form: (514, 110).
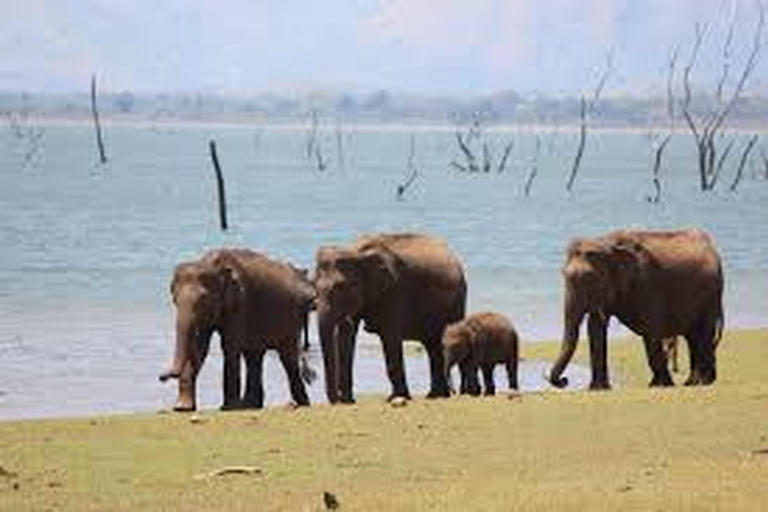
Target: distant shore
(362, 125)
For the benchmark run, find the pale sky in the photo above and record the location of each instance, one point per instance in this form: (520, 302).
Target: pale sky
(430, 46)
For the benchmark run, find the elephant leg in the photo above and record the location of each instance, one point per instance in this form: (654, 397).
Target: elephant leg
(598, 357)
(701, 349)
(490, 387)
(347, 334)
(231, 381)
(470, 385)
(438, 387)
(289, 357)
(393, 355)
(187, 382)
(254, 387)
(657, 360)
(512, 373)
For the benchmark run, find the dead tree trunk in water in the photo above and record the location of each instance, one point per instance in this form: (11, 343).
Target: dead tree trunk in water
(586, 108)
(219, 186)
(95, 111)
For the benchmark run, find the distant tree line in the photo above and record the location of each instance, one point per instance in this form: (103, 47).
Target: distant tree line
(505, 107)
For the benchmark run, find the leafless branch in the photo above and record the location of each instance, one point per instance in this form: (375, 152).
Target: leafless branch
(582, 143)
(534, 168)
(588, 107)
(486, 157)
(321, 164)
(505, 155)
(706, 130)
(458, 166)
(723, 157)
(413, 172)
(659, 153)
(471, 160)
(743, 162)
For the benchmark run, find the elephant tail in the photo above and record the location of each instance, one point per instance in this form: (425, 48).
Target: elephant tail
(305, 345)
(308, 374)
(720, 325)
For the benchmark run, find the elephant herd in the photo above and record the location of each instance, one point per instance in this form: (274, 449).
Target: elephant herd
(660, 284)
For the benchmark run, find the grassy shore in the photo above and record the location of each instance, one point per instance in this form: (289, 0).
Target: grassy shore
(629, 448)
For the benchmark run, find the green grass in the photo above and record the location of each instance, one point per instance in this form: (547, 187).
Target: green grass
(632, 447)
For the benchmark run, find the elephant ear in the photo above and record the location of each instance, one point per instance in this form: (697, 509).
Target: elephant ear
(627, 256)
(378, 273)
(225, 282)
(232, 288)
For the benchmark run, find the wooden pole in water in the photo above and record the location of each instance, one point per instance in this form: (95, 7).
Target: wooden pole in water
(220, 186)
(95, 111)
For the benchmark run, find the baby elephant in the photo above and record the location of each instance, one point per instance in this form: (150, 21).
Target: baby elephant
(481, 341)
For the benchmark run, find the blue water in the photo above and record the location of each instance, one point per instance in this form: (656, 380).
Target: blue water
(87, 250)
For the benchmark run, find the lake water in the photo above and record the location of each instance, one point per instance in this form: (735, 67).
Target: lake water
(87, 250)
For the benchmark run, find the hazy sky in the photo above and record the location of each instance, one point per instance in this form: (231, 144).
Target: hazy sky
(403, 45)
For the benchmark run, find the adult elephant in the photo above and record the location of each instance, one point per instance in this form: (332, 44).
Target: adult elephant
(659, 284)
(401, 286)
(255, 303)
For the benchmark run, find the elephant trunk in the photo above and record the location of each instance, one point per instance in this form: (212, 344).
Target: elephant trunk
(574, 314)
(327, 329)
(182, 352)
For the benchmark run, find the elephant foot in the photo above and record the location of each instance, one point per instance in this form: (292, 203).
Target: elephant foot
(658, 381)
(599, 386)
(184, 406)
(406, 396)
(698, 380)
(438, 393)
(233, 406)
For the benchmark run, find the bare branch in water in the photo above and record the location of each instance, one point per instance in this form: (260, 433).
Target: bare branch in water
(96, 123)
(657, 168)
(580, 148)
(743, 162)
(413, 172)
(219, 186)
(321, 164)
(534, 168)
(505, 155)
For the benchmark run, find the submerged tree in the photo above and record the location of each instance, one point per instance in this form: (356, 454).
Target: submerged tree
(587, 108)
(707, 126)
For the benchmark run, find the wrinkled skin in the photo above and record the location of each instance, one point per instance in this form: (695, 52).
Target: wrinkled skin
(481, 341)
(400, 286)
(254, 303)
(659, 284)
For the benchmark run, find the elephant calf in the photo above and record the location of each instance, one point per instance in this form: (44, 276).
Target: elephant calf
(481, 341)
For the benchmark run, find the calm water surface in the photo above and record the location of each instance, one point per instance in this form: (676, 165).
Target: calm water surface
(87, 250)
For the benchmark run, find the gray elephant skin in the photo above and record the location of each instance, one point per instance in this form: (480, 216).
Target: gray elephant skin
(400, 286)
(255, 303)
(481, 341)
(660, 284)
